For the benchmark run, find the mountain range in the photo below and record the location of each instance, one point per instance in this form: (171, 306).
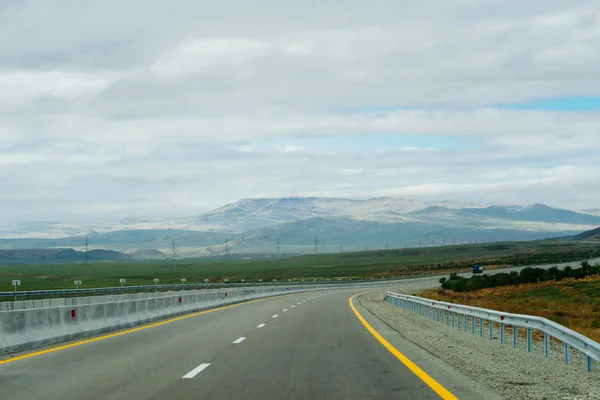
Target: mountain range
(304, 225)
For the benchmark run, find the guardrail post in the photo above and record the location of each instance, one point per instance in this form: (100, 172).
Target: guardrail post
(459, 318)
(529, 340)
(546, 345)
(501, 333)
(515, 337)
(567, 353)
(453, 316)
(491, 324)
(472, 325)
(590, 364)
(466, 324)
(480, 326)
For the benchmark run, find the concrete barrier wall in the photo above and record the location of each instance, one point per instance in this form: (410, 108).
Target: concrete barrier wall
(73, 301)
(56, 321)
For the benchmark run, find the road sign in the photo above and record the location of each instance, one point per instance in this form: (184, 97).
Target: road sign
(16, 282)
(206, 281)
(77, 283)
(260, 280)
(243, 280)
(122, 281)
(183, 280)
(156, 280)
(225, 280)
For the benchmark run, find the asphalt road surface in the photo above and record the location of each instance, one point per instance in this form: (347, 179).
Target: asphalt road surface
(302, 346)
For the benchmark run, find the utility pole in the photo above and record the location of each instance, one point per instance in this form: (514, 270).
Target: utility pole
(316, 244)
(86, 258)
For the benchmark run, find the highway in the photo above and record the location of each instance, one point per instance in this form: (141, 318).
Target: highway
(301, 346)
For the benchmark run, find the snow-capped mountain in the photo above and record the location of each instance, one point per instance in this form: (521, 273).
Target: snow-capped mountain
(248, 214)
(253, 225)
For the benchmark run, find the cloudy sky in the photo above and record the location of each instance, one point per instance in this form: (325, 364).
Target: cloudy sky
(151, 108)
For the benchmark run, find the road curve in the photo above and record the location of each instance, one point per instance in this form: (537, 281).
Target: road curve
(302, 346)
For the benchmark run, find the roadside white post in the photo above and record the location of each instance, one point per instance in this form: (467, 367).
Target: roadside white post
(156, 280)
(122, 282)
(15, 283)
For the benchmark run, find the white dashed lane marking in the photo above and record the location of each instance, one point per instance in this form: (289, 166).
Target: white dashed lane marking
(196, 371)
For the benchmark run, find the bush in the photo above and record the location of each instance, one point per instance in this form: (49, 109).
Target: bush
(527, 275)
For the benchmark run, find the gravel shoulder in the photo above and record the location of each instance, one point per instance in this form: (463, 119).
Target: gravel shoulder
(513, 373)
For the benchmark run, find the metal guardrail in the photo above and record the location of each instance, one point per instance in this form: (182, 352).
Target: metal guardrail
(458, 315)
(22, 295)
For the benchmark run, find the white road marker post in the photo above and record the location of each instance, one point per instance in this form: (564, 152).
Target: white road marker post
(15, 283)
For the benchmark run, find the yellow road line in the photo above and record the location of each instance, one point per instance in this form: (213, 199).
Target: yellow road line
(141, 328)
(428, 380)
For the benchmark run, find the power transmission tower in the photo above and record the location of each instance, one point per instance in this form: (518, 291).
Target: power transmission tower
(226, 247)
(86, 257)
(173, 253)
(386, 246)
(278, 246)
(316, 244)
(365, 247)
(421, 243)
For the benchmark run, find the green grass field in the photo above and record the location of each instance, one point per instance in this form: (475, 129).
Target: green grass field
(363, 264)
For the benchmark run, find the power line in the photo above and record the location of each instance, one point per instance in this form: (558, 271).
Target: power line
(86, 257)
(173, 253)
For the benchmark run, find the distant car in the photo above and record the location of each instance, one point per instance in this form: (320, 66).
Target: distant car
(477, 269)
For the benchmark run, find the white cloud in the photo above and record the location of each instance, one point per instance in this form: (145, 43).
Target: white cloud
(146, 107)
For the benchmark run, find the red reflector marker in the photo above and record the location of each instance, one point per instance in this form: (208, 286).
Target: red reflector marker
(180, 299)
(73, 313)
(225, 294)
